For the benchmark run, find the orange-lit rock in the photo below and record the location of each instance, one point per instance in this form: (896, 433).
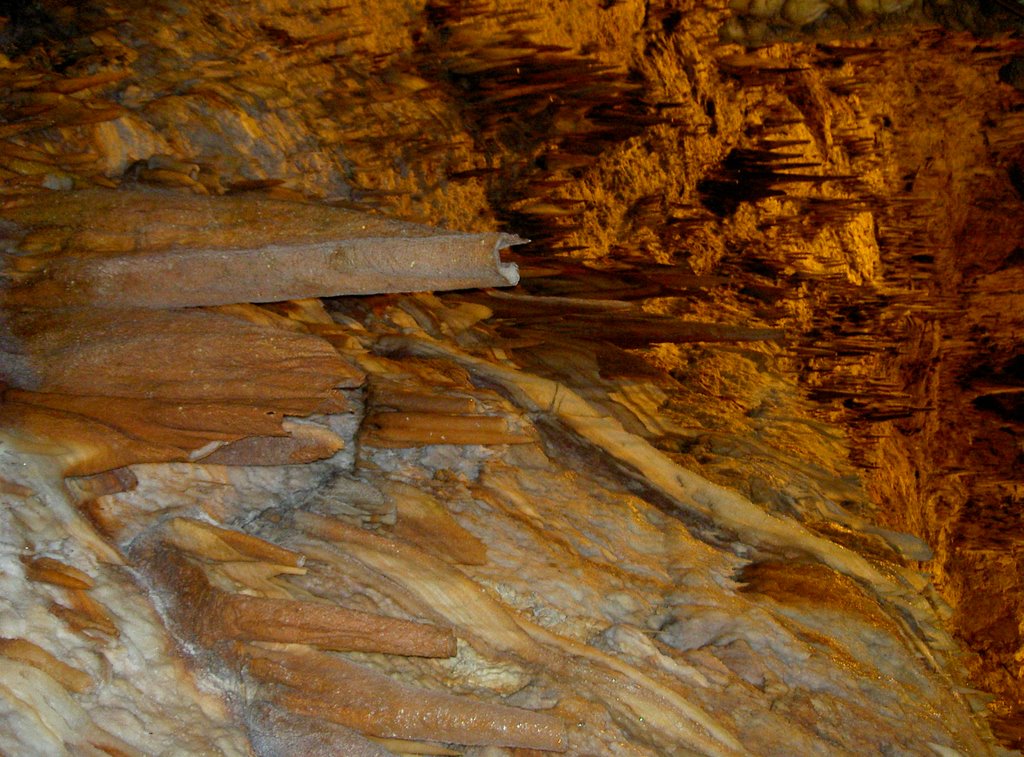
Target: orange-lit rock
(768, 322)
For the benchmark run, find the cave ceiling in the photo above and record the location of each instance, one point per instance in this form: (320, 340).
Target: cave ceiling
(439, 377)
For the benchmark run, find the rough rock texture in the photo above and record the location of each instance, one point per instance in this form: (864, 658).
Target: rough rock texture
(685, 487)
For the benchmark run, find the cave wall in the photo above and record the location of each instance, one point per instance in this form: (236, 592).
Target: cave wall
(858, 195)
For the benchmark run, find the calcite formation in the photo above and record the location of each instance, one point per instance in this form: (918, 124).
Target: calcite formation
(159, 249)
(281, 473)
(591, 594)
(104, 344)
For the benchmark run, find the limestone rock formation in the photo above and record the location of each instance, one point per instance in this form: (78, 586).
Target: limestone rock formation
(160, 249)
(734, 470)
(104, 345)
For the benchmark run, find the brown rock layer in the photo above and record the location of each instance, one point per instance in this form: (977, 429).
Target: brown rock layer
(108, 387)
